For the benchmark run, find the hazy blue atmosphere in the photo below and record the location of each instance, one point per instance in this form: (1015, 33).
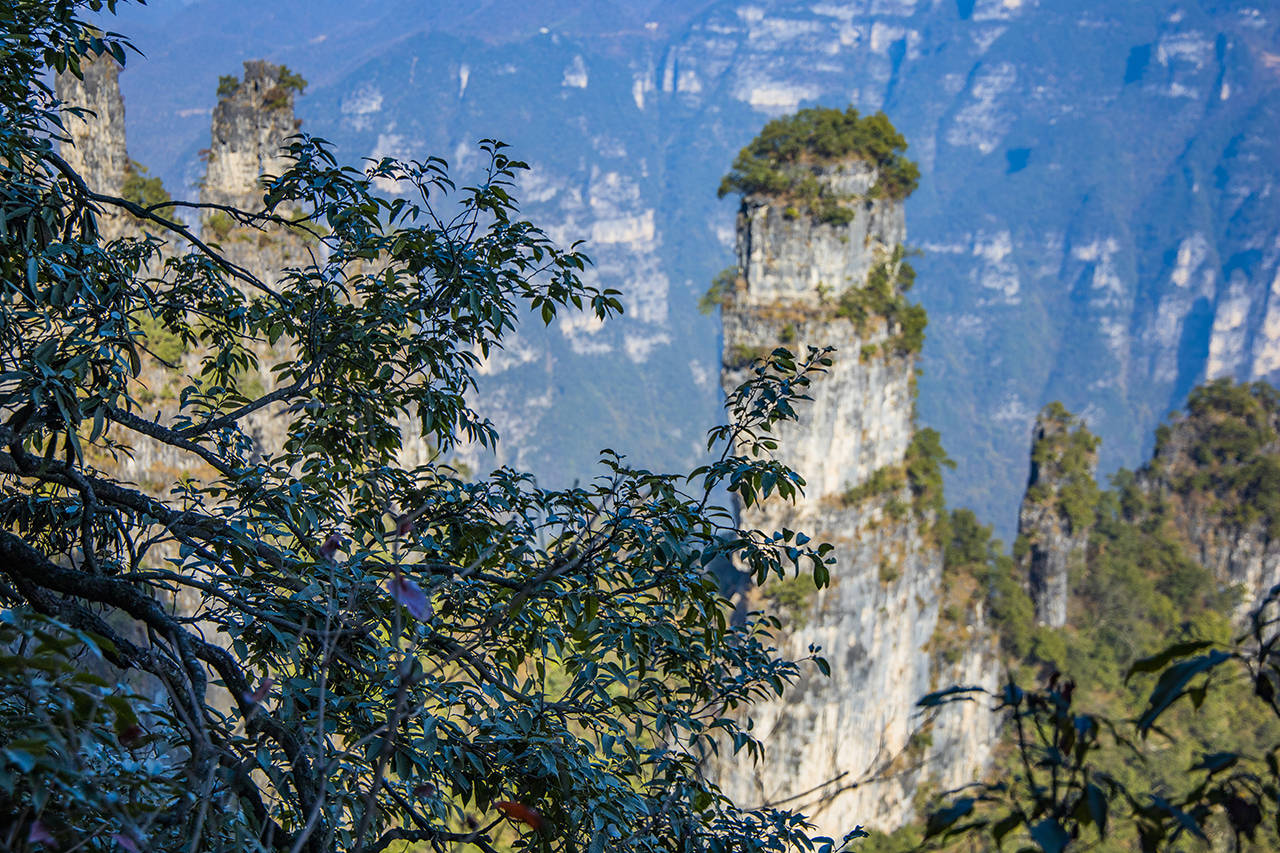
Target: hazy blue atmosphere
(1097, 210)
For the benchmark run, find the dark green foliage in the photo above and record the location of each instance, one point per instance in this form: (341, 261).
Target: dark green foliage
(280, 96)
(1227, 446)
(791, 599)
(720, 293)
(1183, 775)
(227, 85)
(1141, 768)
(1062, 466)
(217, 225)
(970, 552)
(288, 83)
(783, 160)
(883, 481)
(315, 641)
(159, 341)
(142, 189)
(925, 461)
(291, 80)
(741, 355)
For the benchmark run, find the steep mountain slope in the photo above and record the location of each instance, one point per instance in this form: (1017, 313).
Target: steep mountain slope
(1097, 204)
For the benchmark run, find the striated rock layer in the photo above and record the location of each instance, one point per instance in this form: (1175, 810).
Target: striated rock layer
(851, 749)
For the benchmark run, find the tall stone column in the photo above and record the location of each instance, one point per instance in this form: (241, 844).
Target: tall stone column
(851, 749)
(1057, 512)
(97, 151)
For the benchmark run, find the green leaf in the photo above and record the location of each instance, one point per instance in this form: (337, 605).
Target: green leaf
(1096, 801)
(1173, 683)
(943, 819)
(1160, 661)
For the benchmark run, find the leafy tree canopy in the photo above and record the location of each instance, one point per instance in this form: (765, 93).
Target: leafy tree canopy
(211, 641)
(782, 161)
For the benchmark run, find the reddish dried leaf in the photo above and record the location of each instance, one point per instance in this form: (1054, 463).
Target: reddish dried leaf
(411, 596)
(40, 833)
(520, 812)
(330, 546)
(126, 842)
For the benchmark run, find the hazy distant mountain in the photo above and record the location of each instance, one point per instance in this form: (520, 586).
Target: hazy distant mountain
(1099, 205)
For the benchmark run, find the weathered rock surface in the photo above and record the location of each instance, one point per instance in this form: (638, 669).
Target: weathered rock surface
(98, 152)
(250, 125)
(850, 749)
(1057, 512)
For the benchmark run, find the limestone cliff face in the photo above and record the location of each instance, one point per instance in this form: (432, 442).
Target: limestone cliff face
(97, 150)
(1057, 511)
(251, 122)
(847, 750)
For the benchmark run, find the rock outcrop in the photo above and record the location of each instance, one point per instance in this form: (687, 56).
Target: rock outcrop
(1216, 472)
(851, 749)
(1213, 483)
(1057, 511)
(97, 150)
(251, 122)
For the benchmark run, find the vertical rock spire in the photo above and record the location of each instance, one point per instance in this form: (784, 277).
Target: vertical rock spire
(1058, 510)
(822, 263)
(251, 122)
(97, 150)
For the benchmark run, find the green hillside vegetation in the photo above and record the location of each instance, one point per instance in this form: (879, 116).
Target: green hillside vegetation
(140, 187)
(1139, 591)
(1233, 450)
(784, 159)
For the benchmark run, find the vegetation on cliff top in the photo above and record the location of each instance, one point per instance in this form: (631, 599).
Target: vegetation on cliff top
(1227, 448)
(278, 96)
(1063, 461)
(785, 159)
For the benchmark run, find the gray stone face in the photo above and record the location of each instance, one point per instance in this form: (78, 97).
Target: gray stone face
(97, 150)
(785, 257)
(841, 749)
(1053, 544)
(250, 126)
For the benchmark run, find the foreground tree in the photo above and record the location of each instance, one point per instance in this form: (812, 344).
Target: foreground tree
(313, 646)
